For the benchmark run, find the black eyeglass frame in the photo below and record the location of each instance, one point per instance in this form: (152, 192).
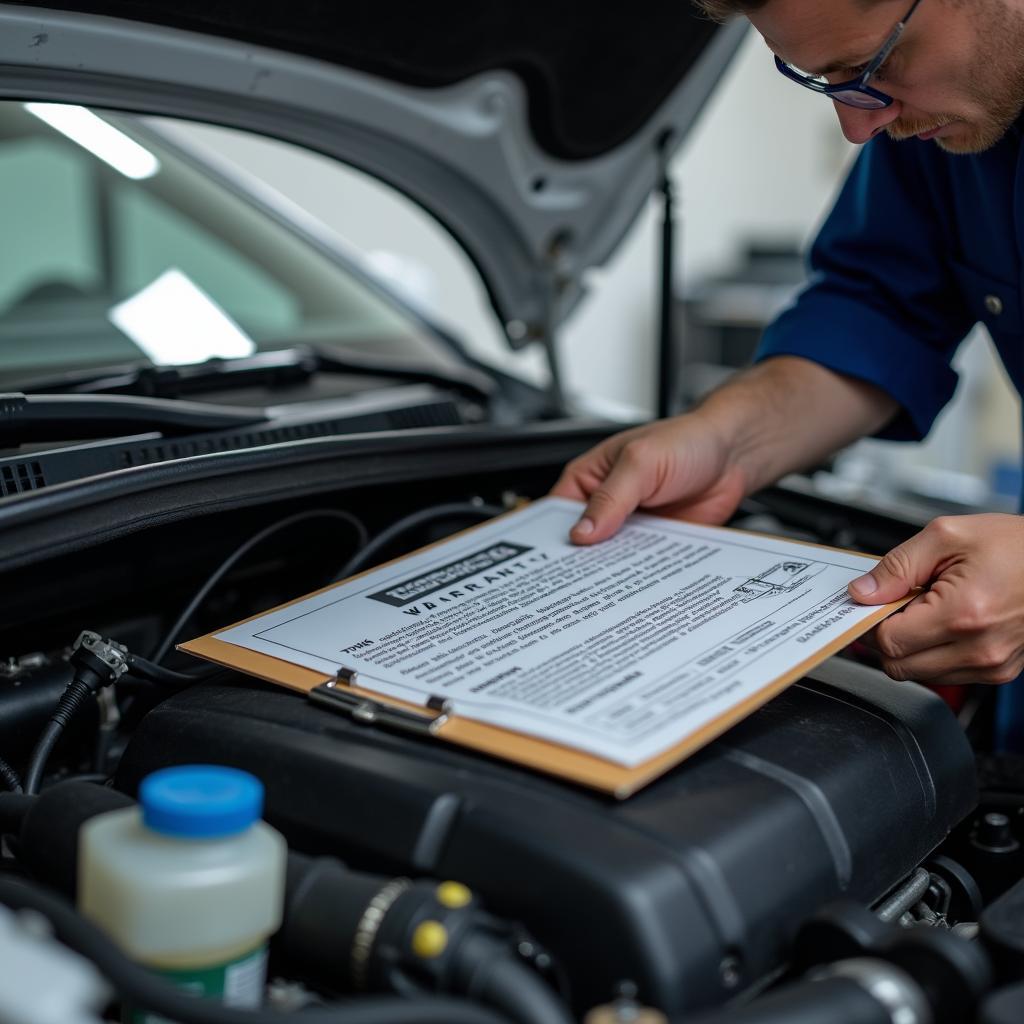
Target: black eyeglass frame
(867, 98)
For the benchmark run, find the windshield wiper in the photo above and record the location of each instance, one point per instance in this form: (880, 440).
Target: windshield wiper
(271, 369)
(32, 418)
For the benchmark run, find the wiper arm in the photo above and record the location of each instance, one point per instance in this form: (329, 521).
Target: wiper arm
(31, 418)
(272, 369)
(466, 381)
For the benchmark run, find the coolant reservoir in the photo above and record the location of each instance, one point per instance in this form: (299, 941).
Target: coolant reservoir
(190, 882)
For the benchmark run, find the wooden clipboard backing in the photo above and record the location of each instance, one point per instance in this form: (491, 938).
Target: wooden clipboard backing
(528, 751)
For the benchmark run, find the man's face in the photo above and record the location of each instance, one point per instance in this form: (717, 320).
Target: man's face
(956, 76)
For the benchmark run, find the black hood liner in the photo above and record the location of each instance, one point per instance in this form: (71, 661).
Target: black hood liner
(595, 73)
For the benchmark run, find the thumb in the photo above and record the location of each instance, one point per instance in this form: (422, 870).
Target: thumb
(910, 565)
(628, 484)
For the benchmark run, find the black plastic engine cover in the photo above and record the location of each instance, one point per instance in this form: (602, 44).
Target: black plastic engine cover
(693, 888)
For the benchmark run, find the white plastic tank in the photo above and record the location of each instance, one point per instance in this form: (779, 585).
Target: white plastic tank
(190, 882)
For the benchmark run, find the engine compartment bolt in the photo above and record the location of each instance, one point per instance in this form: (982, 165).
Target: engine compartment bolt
(994, 835)
(729, 971)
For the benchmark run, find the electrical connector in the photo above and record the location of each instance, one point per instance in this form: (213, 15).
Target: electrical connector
(105, 659)
(97, 663)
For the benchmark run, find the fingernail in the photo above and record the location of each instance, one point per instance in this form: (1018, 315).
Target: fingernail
(865, 586)
(584, 528)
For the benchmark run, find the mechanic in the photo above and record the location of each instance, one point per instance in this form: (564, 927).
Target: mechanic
(924, 241)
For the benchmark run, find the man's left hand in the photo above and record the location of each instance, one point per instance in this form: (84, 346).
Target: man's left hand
(968, 625)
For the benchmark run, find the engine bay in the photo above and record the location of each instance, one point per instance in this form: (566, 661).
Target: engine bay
(852, 837)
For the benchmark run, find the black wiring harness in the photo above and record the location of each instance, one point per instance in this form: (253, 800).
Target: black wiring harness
(366, 549)
(99, 662)
(362, 539)
(435, 513)
(96, 663)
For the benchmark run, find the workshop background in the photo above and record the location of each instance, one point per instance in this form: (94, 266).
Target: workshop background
(753, 181)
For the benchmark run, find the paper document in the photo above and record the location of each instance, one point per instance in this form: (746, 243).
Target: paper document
(621, 649)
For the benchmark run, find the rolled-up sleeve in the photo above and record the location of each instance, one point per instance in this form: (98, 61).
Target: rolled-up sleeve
(882, 304)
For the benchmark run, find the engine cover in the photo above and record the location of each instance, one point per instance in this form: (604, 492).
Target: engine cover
(693, 888)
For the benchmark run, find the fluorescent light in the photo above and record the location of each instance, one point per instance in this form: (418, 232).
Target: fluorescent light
(175, 322)
(101, 139)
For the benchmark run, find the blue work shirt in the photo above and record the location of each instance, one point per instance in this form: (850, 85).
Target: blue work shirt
(920, 246)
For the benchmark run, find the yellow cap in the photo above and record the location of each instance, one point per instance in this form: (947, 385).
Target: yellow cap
(430, 939)
(453, 895)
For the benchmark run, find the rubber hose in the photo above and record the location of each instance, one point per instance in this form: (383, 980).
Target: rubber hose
(836, 1000)
(9, 777)
(509, 986)
(149, 991)
(146, 669)
(71, 700)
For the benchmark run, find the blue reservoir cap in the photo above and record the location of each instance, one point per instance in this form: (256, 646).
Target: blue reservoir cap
(200, 800)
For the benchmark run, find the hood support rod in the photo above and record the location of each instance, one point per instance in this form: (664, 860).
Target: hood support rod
(548, 335)
(668, 355)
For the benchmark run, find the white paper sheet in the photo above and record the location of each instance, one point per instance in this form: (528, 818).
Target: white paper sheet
(622, 649)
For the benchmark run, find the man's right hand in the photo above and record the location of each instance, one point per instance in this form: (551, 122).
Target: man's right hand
(677, 467)
(781, 415)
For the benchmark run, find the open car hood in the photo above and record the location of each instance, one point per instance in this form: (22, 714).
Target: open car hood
(534, 133)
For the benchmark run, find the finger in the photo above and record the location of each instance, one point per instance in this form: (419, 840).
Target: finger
(568, 485)
(581, 477)
(910, 565)
(925, 666)
(921, 625)
(952, 664)
(627, 485)
(870, 640)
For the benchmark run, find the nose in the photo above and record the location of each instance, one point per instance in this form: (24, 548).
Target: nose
(860, 125)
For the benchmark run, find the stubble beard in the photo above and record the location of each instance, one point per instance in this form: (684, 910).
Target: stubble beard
(996, 85)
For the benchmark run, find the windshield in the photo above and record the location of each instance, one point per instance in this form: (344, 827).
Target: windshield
(90, 222)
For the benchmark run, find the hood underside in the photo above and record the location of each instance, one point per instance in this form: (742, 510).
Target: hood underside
(533, 133)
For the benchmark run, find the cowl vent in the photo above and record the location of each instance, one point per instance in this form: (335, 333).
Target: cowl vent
(19, 477)
(445, 414)
(405, 408)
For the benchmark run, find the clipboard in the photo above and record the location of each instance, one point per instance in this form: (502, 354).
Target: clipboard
(343, 694)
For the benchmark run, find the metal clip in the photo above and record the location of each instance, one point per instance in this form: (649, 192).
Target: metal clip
(345, 677)
(370, 712)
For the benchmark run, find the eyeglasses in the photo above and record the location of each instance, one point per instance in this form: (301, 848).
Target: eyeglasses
(856, 92)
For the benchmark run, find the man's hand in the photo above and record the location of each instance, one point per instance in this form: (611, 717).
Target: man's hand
(674, 467)
(968, 626)
(778, 416)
